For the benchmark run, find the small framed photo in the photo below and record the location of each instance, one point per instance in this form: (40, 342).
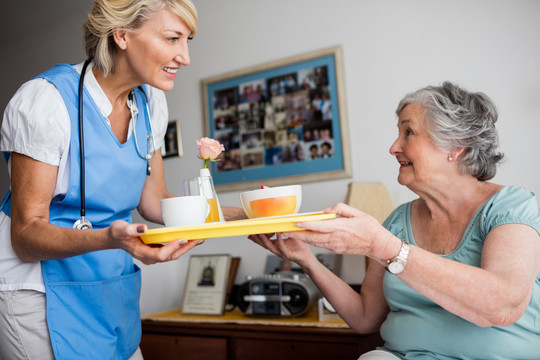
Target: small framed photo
(206, 284)
(275, 264)
(172, 144)
(331, 261)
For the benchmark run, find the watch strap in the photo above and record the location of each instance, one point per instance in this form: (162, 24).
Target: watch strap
(401, 257)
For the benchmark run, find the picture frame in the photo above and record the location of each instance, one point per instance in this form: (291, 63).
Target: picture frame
(331, 261)
(172, 143)
(206, 284)
(229, 301)
(283, 122)
(275, 264)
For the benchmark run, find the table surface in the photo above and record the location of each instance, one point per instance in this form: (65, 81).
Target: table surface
(236, 316)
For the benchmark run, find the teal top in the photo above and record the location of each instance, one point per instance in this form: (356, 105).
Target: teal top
(418, 328)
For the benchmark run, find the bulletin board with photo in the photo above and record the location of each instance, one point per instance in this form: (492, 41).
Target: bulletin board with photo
(281, 123)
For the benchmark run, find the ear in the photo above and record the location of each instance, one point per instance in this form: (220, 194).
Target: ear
(457, 153)
(119, 36)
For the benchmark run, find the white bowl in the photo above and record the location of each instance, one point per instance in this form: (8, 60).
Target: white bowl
(272, 201)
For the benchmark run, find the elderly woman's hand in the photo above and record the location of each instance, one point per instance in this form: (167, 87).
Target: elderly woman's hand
(355, 232)
(126, 236)
(286, 248)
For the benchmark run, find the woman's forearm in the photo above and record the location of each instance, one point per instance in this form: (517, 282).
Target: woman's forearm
(40, 240)
(233, 213)
(363, 312)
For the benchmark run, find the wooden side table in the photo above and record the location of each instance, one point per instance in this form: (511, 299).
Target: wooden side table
(171, 335)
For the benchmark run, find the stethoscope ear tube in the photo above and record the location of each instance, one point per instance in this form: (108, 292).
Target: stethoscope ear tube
(82, 224)
(151, 142)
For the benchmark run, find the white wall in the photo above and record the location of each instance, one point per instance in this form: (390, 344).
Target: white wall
(390, 47)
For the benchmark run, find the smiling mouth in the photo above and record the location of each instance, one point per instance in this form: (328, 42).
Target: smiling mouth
(170, 70)
(402, 163)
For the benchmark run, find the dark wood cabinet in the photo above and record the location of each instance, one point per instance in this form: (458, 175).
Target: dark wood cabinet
(170, 340)
(164, 346)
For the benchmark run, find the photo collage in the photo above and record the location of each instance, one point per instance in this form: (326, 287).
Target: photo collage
(275, 120)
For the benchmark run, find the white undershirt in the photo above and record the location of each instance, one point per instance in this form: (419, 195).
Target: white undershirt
(36, 124)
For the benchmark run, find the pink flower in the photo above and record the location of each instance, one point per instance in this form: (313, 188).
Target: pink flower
(209, 150)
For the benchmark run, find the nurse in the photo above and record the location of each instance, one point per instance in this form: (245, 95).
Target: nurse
(67, 293)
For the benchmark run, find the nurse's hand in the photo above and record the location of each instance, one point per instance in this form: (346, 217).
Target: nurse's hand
(126, 236)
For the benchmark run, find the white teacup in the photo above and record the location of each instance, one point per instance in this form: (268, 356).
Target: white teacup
(184, 210)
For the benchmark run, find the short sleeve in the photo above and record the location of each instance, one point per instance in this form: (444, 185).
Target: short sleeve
(36, 123)
(160, 114)
(511, 205)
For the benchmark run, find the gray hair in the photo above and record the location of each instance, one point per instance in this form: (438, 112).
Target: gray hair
(455, 119)
(107, 15)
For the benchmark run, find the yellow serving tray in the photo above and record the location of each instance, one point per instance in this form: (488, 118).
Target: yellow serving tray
(267, 225)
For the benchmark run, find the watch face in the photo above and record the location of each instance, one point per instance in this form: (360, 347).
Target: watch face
(395, 267)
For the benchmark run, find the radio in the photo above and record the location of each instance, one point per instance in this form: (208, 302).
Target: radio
(283, 294)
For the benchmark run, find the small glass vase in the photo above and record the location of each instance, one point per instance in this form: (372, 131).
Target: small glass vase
(204, 185)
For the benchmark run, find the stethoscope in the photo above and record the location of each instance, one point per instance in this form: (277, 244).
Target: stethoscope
(83, 223)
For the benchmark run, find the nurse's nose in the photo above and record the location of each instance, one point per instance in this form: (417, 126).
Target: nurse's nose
(183, 56)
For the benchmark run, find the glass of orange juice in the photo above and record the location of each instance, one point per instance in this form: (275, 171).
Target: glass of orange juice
(204, 185)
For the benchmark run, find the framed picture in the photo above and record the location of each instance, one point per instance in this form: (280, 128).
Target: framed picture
(282, 122)
(275, 264)
(331, 261)
(172, 144)
(206, 284)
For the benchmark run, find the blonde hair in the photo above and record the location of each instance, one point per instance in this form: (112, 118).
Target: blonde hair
(107, 15)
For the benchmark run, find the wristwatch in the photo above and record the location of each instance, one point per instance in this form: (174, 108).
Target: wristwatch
(397, 265)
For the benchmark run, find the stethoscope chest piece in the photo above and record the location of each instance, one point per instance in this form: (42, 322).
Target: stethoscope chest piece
(82, 224)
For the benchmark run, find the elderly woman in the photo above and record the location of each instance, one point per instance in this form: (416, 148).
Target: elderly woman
(455, 273)
(66, 293)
